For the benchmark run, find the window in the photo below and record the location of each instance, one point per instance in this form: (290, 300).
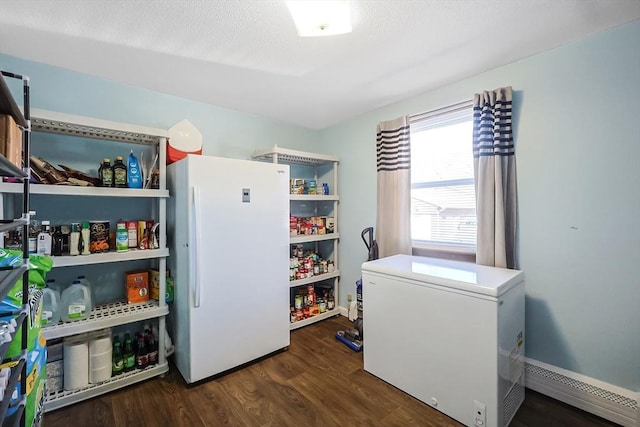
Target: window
(443, 204)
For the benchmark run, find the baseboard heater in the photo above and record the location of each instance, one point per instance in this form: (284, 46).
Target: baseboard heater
(604, 400)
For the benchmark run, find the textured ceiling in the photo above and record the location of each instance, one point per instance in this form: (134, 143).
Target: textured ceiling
(245, 54)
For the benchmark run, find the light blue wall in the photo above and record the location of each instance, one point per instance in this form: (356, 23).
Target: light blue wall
(577, 136)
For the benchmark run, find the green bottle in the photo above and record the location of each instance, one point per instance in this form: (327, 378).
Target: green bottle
(129, 356)
(117, 366)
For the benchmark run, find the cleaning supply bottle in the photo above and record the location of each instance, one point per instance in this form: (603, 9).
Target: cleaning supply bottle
(134, 174)
(44, 239)
(86, 237)
(74, 240)
(76, 302)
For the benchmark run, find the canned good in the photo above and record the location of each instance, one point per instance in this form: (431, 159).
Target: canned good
(297, 301)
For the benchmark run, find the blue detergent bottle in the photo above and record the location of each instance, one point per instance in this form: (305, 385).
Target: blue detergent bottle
(134, 174)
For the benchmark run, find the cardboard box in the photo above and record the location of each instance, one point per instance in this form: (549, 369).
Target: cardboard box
(137, 286)
(155, 286)
(10, 140)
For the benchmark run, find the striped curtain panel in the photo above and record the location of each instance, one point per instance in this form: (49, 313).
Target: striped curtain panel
(495, 178)
(393, 220)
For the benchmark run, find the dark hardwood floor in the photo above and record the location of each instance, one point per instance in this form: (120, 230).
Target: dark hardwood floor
(317, 382)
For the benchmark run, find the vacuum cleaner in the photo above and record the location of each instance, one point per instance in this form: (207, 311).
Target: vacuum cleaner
(353, 338)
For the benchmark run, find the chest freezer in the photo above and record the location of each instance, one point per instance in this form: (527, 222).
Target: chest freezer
(448, 333)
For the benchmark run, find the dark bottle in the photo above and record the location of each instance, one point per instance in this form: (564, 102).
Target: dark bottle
(142, 356)
(117, 367)
(106, 173)
(58, 241)
(66, 236)
(119, 173)
(129, 356)
(152, 348)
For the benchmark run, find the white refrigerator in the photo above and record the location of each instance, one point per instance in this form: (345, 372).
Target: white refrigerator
(449, 333)
(228, 234)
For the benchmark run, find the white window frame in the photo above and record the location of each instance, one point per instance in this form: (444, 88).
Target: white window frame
(444, 116)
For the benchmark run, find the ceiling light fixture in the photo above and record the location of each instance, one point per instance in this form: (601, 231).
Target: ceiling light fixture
(315, 18)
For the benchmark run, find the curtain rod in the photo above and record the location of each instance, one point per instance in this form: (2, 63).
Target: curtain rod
(441, 111)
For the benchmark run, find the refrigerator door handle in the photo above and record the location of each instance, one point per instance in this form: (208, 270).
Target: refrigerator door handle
(196, 247)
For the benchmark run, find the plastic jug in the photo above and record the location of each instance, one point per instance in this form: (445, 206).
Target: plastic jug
(76, 302)
(50, 307)
(83, 279)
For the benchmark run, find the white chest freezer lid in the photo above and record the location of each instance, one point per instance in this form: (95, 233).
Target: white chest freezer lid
(470, 277)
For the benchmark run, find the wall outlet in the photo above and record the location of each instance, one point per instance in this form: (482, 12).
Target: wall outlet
(349, 297)
(479, 413)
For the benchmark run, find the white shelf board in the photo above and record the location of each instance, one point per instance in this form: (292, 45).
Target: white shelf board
(131, 255)
(88, 127)
(314, 319)
(64, 398)
(314, 279)
(107, 316)
(74, 190)
(313, 238)
(285, 155)
(313, 197)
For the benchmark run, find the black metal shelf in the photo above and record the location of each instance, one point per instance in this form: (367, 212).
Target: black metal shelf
(8, 277)
(19, 322)
(8, 104)
(13, 381)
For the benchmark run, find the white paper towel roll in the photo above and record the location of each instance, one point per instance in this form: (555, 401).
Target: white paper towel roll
(99, 345)
(99, 375)
(76, 365)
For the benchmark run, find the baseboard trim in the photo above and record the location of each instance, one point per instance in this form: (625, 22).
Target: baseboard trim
(599, 398)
